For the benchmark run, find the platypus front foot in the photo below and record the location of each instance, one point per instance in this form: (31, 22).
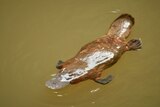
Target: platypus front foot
(104, 80)
(134, 44)
(59, 64)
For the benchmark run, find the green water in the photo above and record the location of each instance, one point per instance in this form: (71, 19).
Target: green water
(35, 34)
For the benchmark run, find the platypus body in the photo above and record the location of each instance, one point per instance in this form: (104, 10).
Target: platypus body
(97, 55)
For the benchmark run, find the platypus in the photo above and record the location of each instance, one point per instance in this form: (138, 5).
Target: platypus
(96, 56)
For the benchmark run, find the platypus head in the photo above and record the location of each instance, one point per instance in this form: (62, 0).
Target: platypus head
(121, 26)
(56, 82)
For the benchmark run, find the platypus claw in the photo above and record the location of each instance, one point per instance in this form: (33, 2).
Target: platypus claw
(104, 80)
(59, 64)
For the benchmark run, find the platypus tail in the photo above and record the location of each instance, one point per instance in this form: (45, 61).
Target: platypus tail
(121, 26)
(56, 83)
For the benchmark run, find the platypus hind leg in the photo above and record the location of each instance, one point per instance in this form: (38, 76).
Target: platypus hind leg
(104, 80)
(59, 64)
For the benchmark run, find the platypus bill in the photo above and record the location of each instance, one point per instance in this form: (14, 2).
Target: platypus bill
(97, 55)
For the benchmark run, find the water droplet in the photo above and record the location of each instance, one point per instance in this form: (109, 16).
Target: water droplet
(55, 92)
(115, 11)
(59, 95)
(53, 75)
(95, 90)
(93, 102)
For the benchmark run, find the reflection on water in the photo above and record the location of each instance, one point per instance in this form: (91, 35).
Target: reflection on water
(34, 35)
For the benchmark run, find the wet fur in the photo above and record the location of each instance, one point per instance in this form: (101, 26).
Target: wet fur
(114, 42)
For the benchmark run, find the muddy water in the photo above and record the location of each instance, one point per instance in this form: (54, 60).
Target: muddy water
(35, 34)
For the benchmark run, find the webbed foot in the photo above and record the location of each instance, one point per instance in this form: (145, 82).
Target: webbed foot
(59, 64)
(134, 44)
(104, 80)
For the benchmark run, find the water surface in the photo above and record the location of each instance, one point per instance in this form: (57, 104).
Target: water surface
(35, 34)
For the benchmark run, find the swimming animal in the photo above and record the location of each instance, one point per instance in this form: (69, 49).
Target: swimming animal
(97, 55)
